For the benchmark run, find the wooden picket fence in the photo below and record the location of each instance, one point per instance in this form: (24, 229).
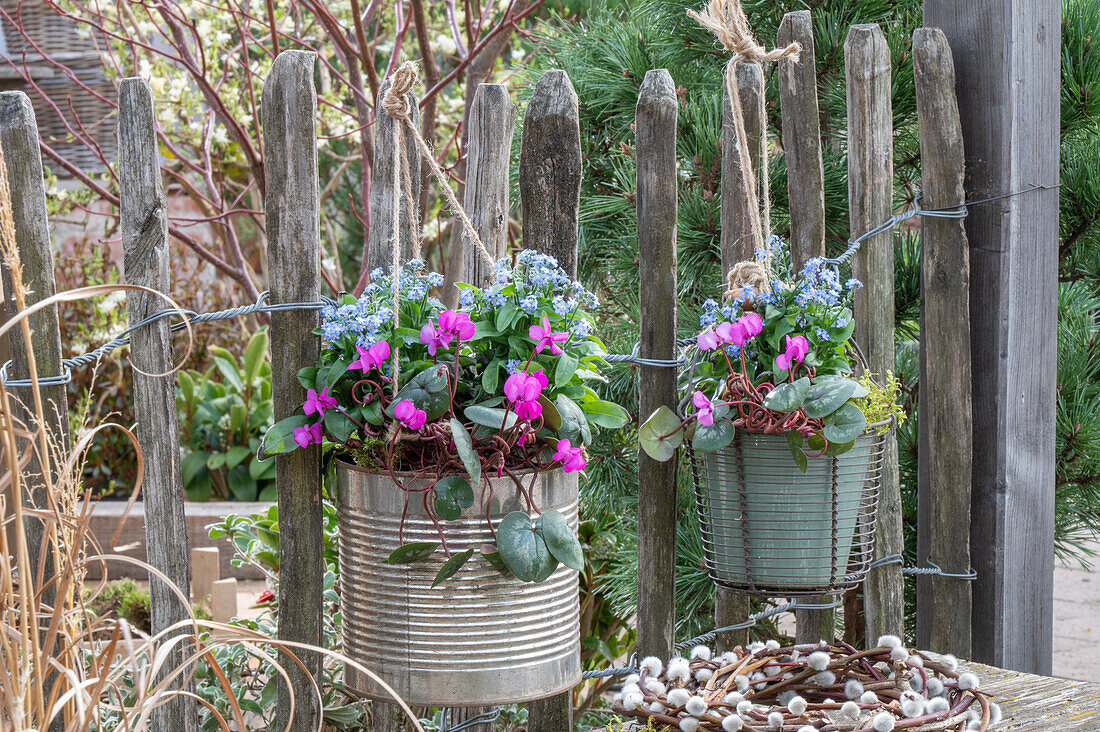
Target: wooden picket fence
(549, 181)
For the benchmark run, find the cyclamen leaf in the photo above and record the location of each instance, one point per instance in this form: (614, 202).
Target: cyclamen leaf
(451, 566)
(574, 425)
(523, 550)
(826, 396)
(453, 495)
(560, 539)
(412, 552)
(661, 435)
(788, 397)
(794, 442)
(845, 424)
(280, 437)
(713, 437)
(466, 452)
(492, 556)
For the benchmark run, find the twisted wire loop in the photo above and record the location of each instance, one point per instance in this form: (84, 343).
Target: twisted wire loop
(190, 317)
(933, 570)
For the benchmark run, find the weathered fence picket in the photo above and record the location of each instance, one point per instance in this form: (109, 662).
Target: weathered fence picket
(492, 122)
(655, 128)
(19, 136)
(144, 225)
(550, 169)
(870, 187)
(550, 198)
(386, 180)
(802, 139)
(293, 259)
(738, 243)
(946, 429)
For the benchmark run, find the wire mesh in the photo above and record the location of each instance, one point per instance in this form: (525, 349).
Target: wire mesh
(771, 530)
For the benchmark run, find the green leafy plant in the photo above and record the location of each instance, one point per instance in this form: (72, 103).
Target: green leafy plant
(222, 422)
(499, 385)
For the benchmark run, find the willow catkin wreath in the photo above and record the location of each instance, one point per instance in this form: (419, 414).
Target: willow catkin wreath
(807, 688)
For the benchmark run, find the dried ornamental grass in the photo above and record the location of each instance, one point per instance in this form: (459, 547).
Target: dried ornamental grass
(808, 688)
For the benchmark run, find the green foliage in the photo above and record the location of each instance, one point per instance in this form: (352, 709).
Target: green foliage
(123, 599)
(222, 421)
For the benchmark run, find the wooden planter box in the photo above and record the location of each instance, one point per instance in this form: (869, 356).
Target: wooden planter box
(107, 514)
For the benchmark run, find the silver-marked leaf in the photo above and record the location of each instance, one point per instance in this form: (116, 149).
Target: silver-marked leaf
(713, 437)
(560, 539)
(451, 566)
(412, 552)
(860, 389)
(825, 397)
(453, 495)
(465, 447)
(574, 424)
(523, 550)
(788, 397)
(662, 434)
(845, 424)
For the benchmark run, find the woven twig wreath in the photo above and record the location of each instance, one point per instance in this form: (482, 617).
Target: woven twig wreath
(807, 688)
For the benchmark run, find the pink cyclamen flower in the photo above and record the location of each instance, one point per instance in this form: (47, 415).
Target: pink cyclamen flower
(732, 333)
(456, 324)
(409, 415)
(797, 348)
(523, 390)
(545, 336)
(705, 415)
(308, 435)
(753, 324)
(435, 339)
(370, 358)
(318, 402)
(708, 340)
(571, 458)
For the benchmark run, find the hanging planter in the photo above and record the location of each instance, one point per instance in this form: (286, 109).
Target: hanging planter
(786, 466)
(454, 437)
(770, 529)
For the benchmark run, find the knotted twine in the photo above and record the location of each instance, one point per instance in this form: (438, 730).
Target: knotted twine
(727, 20)
(396, 104)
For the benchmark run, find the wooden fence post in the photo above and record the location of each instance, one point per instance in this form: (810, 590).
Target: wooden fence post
(870, 185)
(1007, 63)
(802, 140)
(385, 181)
(144, 223)
(550, 197)
(806, 193)
(738, 243)
(492, 121)
(293, 256)
(655, 127)
(946, 429)
(19, 136)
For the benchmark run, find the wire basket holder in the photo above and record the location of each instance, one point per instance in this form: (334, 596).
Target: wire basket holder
(772, 531)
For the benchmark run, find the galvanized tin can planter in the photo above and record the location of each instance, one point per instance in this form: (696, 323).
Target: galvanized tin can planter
(477, 639)
(771, 530)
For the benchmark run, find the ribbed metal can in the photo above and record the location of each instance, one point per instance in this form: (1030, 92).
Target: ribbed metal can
(477, 639)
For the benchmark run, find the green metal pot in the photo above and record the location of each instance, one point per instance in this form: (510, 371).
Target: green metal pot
(771, 530)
